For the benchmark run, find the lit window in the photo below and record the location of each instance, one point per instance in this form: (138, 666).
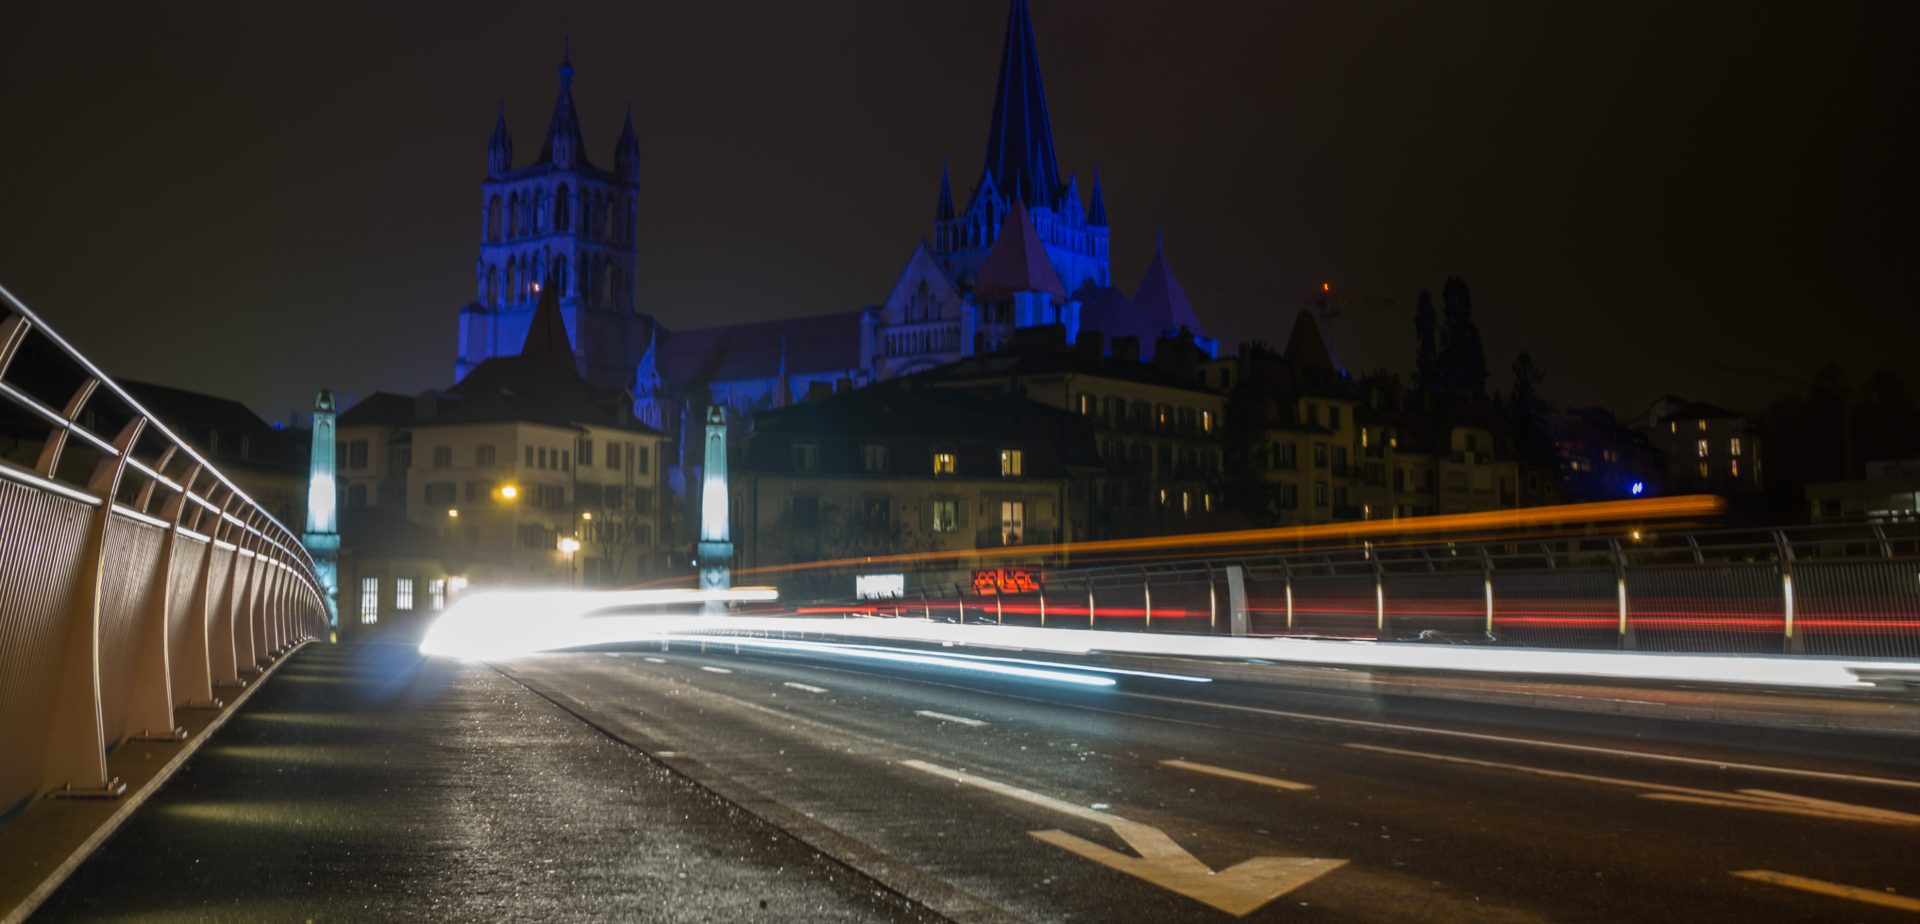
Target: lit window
(1703, 425)
(403, 594)
(1186, 502)
(1010, 463)
(1162, 416)
(1673, 426)
(369, 601)
(1733, 447)
(943, 463)
(1363, 438)
(1702, 446)
(1206, 421)
(1206, 502)
(437, 593)
(1733, 468)
(946, 516)
(1013, 522)
(1703, 469)
(1086, 405)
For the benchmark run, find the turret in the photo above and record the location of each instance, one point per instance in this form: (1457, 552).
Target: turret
(563, 147)
(626, 151)
(500, 146)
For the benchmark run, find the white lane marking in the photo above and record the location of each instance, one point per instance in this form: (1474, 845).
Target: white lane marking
(1532, 742)
(715, 670)
(810, 688)
(1242, 775)
(941, 716)
(1822, 887)
(1237, 890)
(656, 660)
(1759, 800)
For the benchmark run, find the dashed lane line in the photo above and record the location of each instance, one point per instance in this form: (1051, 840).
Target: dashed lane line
(956, 719)
(810, 688)
(1242, 775)
(1822, 887)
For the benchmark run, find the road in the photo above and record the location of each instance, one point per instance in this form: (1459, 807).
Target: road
(992, 797)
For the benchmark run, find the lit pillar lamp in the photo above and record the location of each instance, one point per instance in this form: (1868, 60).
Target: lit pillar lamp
(322, 537)
(716, 550)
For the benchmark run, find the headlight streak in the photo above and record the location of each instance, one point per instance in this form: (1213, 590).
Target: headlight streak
(905, 656)
(494, 626)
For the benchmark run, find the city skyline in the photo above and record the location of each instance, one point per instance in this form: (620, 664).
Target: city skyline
(268, 180)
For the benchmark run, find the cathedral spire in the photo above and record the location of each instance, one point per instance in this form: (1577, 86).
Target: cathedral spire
(500, 146)
(547, 335)
(944, 211)
(626, 151)
(1020, 138)
(563, 147)
(1097, 212)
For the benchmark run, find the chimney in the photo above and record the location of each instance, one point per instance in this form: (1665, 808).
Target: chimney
(1126, 349)
(1090, 346)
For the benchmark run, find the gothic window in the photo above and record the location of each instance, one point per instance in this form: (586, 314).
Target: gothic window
(606, 216)
(536, 278)
(606, 284)
(513, 215)
(493, 287)
(493, 220)
(513, 280)
(560, 274)
(562, 214)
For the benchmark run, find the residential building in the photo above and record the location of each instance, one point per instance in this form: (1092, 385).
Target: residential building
(518, 455)
(1709, 449)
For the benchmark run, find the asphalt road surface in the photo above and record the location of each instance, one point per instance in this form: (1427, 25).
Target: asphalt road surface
(1005, 796)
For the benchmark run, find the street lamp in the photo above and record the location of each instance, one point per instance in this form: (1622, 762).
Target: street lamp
(509, 492)
(568, 546)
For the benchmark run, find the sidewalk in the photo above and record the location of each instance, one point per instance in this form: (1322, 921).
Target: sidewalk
(363, 782)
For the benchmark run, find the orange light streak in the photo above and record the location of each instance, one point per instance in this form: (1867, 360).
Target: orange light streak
(1558, 515)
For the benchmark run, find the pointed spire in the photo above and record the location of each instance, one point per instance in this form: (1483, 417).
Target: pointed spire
(500, 146)
(626, 151)
(1017, 262)
(1020, 138)
(1097, 212)
(1159, 300)
(944, 211)
(563, 146)
(547, 335)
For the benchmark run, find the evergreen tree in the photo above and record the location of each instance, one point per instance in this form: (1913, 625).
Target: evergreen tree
(1426, 362)
(1527, 410)
(1463, 359)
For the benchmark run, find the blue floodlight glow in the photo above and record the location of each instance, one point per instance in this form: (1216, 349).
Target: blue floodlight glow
(1638, 488)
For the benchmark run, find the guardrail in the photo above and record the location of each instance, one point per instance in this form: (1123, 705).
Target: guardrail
(1847, 590)
(135, 577)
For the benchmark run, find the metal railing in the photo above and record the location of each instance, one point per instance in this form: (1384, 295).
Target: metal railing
(135, 577)
(1836, 590)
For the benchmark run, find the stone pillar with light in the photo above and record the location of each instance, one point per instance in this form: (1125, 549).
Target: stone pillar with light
(322, 536)
(716, 549)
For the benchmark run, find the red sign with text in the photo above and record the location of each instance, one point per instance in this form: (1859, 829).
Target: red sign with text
(1006, 581)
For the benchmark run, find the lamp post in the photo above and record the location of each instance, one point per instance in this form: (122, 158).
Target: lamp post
(569, 546)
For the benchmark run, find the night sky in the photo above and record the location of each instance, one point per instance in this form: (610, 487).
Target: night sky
(260, 199)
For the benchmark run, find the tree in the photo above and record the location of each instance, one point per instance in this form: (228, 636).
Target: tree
(1426, 362)
(1463, 360)
(1527, 410)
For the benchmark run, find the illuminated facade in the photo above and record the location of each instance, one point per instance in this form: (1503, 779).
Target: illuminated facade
(1025, 246)
(564, 222)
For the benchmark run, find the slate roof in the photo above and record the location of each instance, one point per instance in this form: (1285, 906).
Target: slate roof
(1160, 302)
(822, 343)
(1018, 262)
(191, 414)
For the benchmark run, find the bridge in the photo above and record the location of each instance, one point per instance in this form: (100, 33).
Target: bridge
(1709, 724)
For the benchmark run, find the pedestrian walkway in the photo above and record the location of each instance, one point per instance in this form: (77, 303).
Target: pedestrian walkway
(363, 782)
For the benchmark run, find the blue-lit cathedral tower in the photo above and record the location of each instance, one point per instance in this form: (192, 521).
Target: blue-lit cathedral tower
(562, 221)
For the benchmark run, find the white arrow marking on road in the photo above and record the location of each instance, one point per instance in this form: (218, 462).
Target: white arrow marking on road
(1241, 775)
(1236, 890)
(943, 717)
(1759, 800)
(803, 686)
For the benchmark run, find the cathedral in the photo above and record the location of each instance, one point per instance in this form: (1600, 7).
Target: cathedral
(1028, 249)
